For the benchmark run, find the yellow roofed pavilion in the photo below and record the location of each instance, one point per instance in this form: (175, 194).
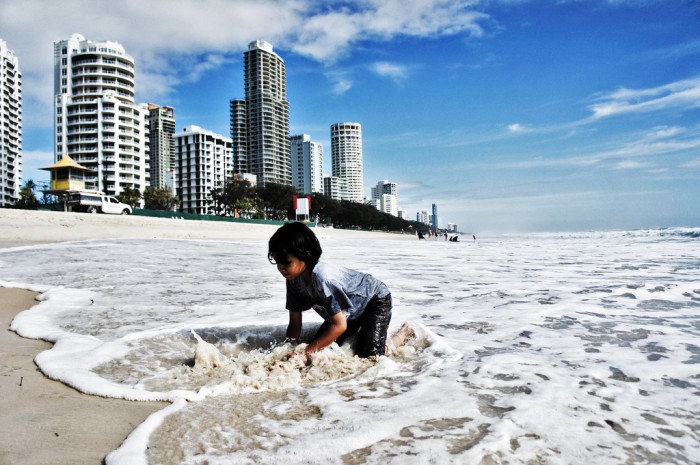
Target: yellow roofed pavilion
(67, 175)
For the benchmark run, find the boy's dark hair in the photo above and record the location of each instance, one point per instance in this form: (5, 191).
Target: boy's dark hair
(294, 239)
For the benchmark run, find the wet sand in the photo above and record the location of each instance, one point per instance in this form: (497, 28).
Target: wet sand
(44, 421)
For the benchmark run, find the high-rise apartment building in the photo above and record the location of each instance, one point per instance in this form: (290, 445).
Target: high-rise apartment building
(260, 123)
(10, 126)
(203, 163)
(346, 159)
(434, 217)
(384, 195)
(333, 187)
(96, 121)
(423, 217)
(307, 164)
(161, 125)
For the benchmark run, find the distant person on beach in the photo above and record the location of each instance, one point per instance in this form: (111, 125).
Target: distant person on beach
(350, 302)
(421, 235)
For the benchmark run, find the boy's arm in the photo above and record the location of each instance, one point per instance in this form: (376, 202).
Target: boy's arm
(337, 327)
(294, 327)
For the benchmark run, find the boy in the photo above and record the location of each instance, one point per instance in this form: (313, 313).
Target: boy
(348, 301)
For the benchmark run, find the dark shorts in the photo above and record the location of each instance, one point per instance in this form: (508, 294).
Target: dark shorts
(371, 328)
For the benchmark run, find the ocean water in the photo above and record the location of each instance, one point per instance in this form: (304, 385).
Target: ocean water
(537, 349)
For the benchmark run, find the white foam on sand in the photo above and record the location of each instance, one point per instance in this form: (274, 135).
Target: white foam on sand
(557, 348)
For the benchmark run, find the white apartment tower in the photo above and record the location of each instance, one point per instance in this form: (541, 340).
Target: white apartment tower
(333, 187)
(161, 125)
(307, 164)
(385, 196)
(346, 158)
(96, 121)
(10, 126)
(423, 217)
(260, 122)
(203, 163)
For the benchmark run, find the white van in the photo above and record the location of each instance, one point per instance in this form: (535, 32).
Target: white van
(94, 202)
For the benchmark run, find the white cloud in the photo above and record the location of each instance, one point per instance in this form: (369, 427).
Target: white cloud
(630, 165)
(393, 71)
(636, 152)
(674, 51)
(692, 164)
(341, 81)
(176, 42)
(683, 94)
(341, 86)
(517, 128)
(328, 34)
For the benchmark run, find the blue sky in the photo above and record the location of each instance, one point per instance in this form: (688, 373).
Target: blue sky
(511, 116)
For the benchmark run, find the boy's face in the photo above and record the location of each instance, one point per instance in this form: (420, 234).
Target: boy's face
(292, 269)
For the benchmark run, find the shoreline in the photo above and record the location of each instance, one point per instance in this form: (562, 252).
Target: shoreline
(45, 421)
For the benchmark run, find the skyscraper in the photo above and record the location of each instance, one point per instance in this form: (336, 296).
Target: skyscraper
(346, 158)
(385, 197)
(434, 217)
(161, 126)
(333, 187)
(97, 122)
(260, 123)
(307, 164)
(203, 163)
(10, 126)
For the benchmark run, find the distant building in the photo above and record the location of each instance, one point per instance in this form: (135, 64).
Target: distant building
(307, 164)
(161, 125)
(452, 227)
(333, 187)
(203, 163)
(346, 157)
(260, 122)
(403, 214)
(10, 126)
(423, 217)
(434, 218)
(385, 193)
(251, 178)
(96, 121)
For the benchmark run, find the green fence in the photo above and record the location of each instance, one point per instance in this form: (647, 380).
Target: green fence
(194, 216)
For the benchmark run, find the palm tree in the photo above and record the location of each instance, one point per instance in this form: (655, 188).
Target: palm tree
(27, 198)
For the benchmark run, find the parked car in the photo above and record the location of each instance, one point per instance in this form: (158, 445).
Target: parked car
(97, 202)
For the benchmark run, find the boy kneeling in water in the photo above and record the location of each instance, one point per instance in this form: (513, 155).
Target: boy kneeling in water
(349, 301)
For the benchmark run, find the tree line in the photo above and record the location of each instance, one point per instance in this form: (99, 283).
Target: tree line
(274, 202)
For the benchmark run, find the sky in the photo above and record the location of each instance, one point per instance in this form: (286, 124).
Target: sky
(511, 116)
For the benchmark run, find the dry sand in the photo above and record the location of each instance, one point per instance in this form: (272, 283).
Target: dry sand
(22, 227)
(44, 421)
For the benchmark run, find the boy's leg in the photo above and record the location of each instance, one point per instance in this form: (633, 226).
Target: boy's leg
(403, 334)
(352, 328)
(371, 338)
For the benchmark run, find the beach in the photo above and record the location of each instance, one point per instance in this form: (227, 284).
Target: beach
(45, 421)
(556, 348)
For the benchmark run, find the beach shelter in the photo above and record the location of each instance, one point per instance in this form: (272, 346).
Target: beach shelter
(67, 175)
